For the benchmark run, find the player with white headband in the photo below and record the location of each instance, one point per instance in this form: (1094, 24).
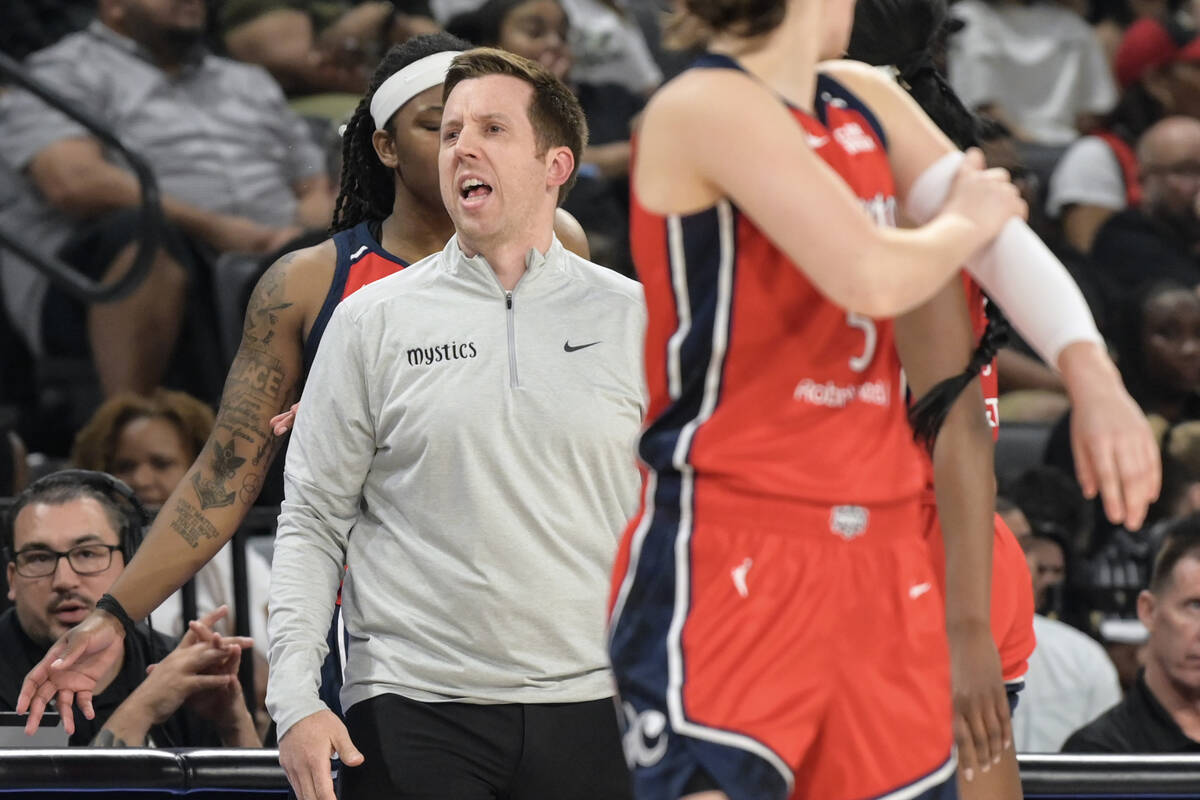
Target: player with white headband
(389, 214)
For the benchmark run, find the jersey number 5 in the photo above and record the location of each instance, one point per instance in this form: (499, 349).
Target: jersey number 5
(867, 326)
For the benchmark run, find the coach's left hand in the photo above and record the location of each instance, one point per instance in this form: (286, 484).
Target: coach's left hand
(982, 728)
(305, 751)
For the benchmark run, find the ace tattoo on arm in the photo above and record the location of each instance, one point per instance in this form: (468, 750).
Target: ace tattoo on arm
(263, 380)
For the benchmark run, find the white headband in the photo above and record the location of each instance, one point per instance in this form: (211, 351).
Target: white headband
(409, 82)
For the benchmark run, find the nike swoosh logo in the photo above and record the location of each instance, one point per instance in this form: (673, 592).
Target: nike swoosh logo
(921, 588)
(816, 141)
(739, 577)
(568, 347)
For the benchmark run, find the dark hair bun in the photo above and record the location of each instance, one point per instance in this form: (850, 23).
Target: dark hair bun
(740, 17)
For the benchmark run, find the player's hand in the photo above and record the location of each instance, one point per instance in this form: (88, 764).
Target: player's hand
(282, 423)
(1116, 454)
(305, 751)
(982, 728)
(987, 197)
(81, 664)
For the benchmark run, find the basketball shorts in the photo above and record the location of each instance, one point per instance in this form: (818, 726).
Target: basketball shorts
(808, 660)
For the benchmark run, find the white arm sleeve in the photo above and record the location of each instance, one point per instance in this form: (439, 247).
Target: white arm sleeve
(1017, 270)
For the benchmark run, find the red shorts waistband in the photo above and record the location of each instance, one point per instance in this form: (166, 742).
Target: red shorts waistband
(790, 516)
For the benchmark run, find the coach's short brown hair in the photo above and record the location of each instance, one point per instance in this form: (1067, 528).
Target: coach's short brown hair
(554, 112)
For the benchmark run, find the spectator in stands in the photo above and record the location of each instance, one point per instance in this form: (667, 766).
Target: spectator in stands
(1101, 575)
(1111, 18)
(1046, 554)
(609, 46)
(149, 442)
(315, 46)
(13, 471)
(606, 39)
(446, 10)
(1070, 680)
(1124, 640)
(1158, 237)
(1180, 495)
(1014, 518)
(1158, 351)
(66, 540)
(539, 30)
(1161, 713)
(1157, 340)
(1050, 499)
(1036, 66)
(1157, 69)
(536, 29)
(238, 171)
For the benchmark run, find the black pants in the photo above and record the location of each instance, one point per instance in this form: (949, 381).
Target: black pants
(437, 751)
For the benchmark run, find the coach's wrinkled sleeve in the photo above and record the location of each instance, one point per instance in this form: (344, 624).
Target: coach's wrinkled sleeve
(331, 449)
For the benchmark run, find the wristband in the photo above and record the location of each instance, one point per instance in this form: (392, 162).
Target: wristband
(113, 606)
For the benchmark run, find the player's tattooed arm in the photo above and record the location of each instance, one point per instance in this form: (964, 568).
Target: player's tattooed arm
(263, 380)
(210, 503)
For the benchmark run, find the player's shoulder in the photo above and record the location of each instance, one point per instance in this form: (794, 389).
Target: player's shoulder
(303, 260)
(865, 81)
(300, 278)
(705, 94)
(402, 286)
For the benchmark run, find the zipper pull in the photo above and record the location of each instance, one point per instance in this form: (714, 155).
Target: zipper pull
(508, 299)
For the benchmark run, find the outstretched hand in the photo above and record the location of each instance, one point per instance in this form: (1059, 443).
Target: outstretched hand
(1116, 454)
(81, 664)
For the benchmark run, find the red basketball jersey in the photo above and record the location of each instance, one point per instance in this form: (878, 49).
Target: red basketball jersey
(989, 382)
(759, 385)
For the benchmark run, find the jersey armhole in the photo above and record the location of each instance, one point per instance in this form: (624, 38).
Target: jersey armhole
(828, 88)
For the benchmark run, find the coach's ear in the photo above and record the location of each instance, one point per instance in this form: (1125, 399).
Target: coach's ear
(560, 163)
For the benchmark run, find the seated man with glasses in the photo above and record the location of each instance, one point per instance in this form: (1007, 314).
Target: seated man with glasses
(65, 543)
(1157, 239)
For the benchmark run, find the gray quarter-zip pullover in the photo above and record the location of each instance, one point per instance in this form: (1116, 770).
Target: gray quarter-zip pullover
(469, 453)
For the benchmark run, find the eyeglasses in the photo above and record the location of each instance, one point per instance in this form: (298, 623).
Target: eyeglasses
(86, 559)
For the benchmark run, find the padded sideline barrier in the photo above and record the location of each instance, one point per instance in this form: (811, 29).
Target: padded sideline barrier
(82, 769)
(232, 770)
(1110, 776)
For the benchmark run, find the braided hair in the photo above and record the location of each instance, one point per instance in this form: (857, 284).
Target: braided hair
(910, 35)
(368, 188)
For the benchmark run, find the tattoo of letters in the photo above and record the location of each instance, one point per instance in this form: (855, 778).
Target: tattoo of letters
(256, 385)
(191, 524)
